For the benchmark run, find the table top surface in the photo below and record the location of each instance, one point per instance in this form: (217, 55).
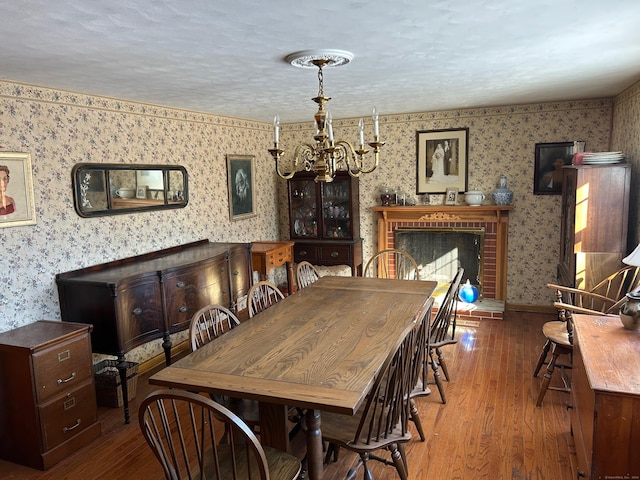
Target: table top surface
(319, 348)
(610, 353)
(264, 247)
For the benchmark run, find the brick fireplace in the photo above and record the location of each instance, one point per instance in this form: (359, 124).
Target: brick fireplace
(492, 219)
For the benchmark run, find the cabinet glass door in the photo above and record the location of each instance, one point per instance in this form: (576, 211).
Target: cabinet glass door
(336, 209)
(304, 217)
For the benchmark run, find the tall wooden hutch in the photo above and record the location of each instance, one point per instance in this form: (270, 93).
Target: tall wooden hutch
(324, 220)
(595, 212)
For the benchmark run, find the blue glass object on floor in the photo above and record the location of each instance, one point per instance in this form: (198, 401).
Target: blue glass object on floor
(468, 293)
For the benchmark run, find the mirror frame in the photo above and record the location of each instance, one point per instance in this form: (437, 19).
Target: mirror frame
(83, 181)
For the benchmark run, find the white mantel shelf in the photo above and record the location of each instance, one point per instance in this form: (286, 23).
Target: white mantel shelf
(434, 214)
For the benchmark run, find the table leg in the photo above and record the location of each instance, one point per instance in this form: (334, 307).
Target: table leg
(314, 445)
(274, 431)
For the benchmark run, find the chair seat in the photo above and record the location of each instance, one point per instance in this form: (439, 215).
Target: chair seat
(338, 428)
(282, 466)
(556, 331)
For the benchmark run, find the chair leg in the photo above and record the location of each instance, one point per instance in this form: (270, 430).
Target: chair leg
(398, 461)
(436, 377)
(543, 357)
(547, 376)
(415, 417)
(442, 363)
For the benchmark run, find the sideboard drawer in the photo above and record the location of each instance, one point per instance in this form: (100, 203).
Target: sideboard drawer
(62, 367)
(335, 253)
(67, 415)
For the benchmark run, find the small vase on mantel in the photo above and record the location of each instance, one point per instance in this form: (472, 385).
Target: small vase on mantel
(502, 195)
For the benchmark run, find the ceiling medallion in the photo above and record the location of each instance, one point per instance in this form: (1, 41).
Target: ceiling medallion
(310, 58)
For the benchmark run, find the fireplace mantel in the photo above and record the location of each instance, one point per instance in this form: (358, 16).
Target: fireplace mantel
(494, 216)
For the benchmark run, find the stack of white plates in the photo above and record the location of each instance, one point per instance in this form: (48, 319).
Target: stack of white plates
(594, 158)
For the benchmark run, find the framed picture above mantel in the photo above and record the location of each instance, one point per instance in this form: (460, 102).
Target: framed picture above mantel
(442, 160)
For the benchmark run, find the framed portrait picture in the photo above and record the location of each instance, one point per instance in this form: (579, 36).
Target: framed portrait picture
(16, 190)
(451, 196)
(141, 191)
(240, 174)
(549, 160)
(442, 160)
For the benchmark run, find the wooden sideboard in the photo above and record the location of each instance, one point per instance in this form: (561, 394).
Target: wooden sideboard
(605, 397)
(47, 394)
(142, 298)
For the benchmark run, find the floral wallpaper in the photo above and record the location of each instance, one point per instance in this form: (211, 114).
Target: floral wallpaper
(626, 138)
(501, 142)
(61, 129)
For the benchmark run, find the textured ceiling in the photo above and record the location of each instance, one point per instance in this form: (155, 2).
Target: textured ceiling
(226, 56)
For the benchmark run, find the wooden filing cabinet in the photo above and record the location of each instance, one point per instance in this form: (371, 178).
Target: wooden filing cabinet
(47, 393)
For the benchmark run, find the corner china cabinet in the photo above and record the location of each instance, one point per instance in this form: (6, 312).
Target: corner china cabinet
(595, 212)
(324, 220)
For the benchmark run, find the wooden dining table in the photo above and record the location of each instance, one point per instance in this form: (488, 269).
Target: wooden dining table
(319, 349)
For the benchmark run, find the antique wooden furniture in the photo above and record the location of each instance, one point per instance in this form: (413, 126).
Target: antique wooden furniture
(606, 297)
(382, 420)
(171, 419)
(47, 394)
(605, 398)
(595, 211)
(267, 255)
(559, 335)
(138, 299)
(442, 331)
(306, 274)
(207, 324)
(262, 295)
(392, 263)
(324, 220)
(281, 367)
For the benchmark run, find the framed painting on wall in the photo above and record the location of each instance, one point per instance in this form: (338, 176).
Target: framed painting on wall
(16, 190)
(549, 160)
(240, 171)
(442, 160)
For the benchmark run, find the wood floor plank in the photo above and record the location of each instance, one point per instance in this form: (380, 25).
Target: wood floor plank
(489, 428)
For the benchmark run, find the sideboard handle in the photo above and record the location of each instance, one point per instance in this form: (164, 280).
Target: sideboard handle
(236, 272)
(137, 311)
(183, 309)
(180, 284)
(67, 380)
(303, 253)
(334, 254)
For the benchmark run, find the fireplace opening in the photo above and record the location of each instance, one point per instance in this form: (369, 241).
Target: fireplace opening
(439, 252)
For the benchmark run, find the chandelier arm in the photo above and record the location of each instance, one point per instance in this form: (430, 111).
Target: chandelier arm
(346, 152)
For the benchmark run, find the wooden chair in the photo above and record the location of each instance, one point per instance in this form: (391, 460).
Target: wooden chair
(206, 325)
(261, 296)
(306, 274)
(559, 335)
(382, 421)
(603, 299)
(392, 263)
(442, 332)
(209, 323)
(184, 430)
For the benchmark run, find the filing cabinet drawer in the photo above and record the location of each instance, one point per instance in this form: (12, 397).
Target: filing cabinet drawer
(67, 415)
(62, 367)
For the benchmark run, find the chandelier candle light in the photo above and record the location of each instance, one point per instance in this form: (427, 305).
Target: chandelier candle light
(326, 156)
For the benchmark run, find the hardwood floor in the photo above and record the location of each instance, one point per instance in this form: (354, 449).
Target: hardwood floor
(490, 427)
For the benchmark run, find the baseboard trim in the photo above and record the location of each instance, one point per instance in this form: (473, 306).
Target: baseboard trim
(517, 307)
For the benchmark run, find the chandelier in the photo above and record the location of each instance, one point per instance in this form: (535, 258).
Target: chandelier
(325, 156)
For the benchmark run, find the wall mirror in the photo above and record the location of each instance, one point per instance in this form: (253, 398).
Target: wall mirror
(111, 189)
